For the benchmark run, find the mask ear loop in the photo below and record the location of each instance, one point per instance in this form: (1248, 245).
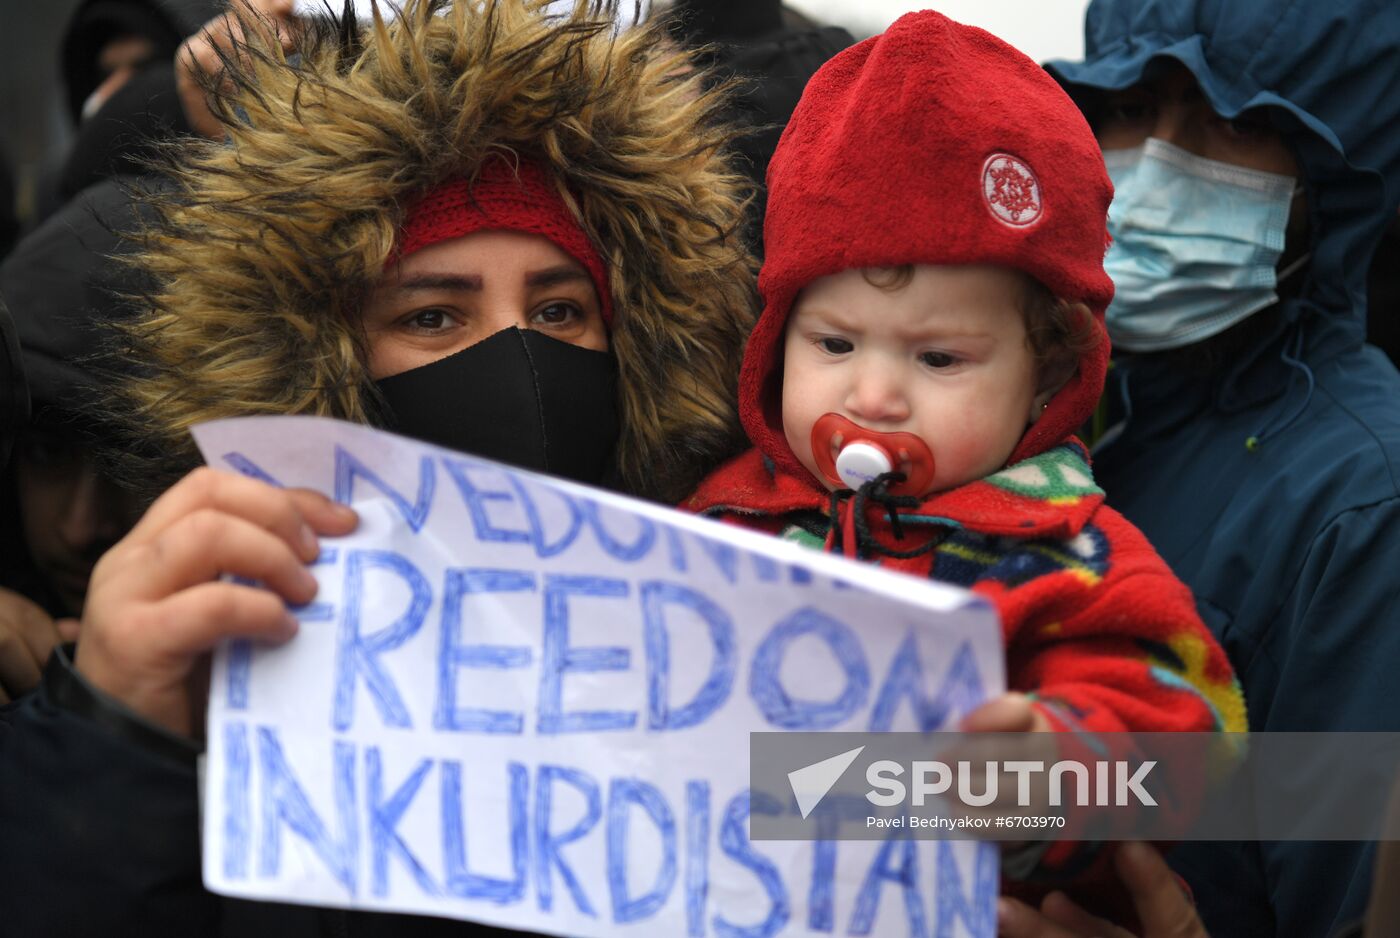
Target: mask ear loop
(1294, 267)
(1301, 260)
(1294, 360)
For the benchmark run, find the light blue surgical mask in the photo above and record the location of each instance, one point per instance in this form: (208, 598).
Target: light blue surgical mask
(1195, 245)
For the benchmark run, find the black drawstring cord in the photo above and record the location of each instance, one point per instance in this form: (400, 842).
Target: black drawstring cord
(833, 512)
(878, 491)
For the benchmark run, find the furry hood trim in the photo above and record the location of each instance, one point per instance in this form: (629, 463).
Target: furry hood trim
(266, 246)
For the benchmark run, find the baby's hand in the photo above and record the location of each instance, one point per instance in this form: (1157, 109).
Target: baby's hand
(1009, 713)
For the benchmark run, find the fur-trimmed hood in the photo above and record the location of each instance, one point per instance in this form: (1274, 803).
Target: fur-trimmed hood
(266, 246)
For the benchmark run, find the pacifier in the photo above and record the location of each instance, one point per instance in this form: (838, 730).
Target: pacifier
(850, 455)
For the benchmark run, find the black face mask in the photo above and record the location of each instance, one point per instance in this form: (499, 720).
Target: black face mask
(518, 397)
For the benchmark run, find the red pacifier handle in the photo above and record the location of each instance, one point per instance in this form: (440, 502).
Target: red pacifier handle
(849, 455)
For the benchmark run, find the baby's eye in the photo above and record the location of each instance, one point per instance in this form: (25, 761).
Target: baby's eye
(835, 346)
(557, 314)
(937, 359)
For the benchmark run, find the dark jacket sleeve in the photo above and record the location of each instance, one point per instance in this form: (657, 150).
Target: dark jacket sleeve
(99, 834)
(99, 817)
(1323, 664)
(1329, 661)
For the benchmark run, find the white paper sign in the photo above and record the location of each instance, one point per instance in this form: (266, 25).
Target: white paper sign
(525, 702)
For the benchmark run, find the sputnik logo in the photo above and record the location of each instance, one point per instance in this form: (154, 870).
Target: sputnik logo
(811, 783)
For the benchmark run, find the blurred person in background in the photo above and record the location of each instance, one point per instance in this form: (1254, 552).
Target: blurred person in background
(117, 61)
(773, 50)
(1254, 147)
(59, 510)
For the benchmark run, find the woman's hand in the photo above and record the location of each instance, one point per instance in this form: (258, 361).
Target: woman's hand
(202, 54)
(156, 604)
(1163, 908)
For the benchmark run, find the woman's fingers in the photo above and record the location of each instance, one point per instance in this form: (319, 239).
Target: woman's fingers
(225, 492)
(1058, 917)
(145, 657)
(1015, 919)
(1063, 911)
(159, 600)
(206, 545)
(196, 619)
(1162, 905)
(324, 515)
(1163, 909)
(296, 516)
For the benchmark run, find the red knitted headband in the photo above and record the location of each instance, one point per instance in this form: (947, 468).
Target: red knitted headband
(503, 197)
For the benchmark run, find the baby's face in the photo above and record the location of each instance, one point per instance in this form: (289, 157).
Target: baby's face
(944, 357)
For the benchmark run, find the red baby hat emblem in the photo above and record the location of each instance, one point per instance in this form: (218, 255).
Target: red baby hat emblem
(849, 455)
(1011, 190)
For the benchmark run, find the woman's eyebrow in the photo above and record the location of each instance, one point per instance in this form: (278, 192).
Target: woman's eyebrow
(439, 282)
(553, 276)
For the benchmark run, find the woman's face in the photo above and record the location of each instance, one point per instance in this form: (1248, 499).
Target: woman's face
(445, 297)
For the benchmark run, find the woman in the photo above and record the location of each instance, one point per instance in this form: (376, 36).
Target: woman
(405, 225)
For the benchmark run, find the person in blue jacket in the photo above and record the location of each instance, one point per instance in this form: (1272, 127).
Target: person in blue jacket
(1252, 434)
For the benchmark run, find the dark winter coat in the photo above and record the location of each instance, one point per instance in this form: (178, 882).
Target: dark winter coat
(259, 261)
(1290, 543)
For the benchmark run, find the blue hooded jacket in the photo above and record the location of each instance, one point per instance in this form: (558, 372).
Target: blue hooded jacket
(1291, 543)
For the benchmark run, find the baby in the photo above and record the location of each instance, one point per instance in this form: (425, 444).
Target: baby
(932, 336)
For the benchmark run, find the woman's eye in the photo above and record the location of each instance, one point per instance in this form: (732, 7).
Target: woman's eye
(428, 319)
(557, 314)
(835, 346)
(937, 359)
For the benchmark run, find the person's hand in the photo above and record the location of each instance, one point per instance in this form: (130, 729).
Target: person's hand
(27, 635)
(201, 55)
(1383, 911)
(1163, 909)
(157, 605)
(1009, 713)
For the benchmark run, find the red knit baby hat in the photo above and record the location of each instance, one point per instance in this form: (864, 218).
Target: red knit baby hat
(935, 143)
(505, 196)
